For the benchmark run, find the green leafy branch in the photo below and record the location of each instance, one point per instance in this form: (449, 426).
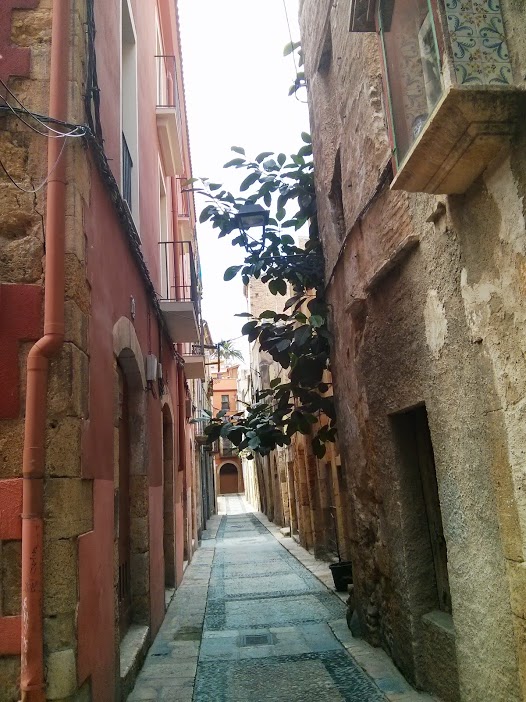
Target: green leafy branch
(297, 338)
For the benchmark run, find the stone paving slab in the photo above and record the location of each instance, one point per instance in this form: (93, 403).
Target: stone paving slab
(256, 620)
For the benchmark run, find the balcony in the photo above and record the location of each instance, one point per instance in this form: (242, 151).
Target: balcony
(184, 209)
(194, 363)
(179, 297)
(227, 450)
(169, 115)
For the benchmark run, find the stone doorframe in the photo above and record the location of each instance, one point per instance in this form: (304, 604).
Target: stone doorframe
(128, 356)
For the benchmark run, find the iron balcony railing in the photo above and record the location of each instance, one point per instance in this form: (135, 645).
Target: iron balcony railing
(178, 273)
(167, 86)
(183, 199)
(127, 169)
(197, 350)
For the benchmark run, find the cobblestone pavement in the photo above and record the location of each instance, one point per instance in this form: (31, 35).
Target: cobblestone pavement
(251, 623)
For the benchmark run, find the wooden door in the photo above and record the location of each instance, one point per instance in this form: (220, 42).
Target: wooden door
(426, 462)
(124, 510)
(228, 479)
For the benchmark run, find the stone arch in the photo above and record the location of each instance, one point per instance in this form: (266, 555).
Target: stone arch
(131, 476)
(168, 496)
(230, 478)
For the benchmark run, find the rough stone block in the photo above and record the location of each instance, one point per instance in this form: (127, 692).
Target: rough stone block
(77, 287)
(9, 678)
(68, 383)
(11, 577)
(140, 574)
(60, 576)
(30, 27)
(76, 325)
(69, 507)
(61, 674)
(139, 532)
(139, 496)
(517, 577)
(63, 454)
(440, 655)
(59, 631)
(21, 260)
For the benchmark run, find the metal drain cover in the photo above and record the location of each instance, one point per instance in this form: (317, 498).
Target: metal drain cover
(256, 640)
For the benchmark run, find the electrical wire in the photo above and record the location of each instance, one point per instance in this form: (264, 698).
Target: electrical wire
(56, 134)
(44, 182)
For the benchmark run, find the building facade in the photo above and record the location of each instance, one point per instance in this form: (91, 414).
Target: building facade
(99, 267)
(419, 151)
(228, 471)
(298, 491)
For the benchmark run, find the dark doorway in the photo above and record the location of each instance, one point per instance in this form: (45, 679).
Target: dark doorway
(125, 604)
(169, 500)
(418, 467)
(228, 479)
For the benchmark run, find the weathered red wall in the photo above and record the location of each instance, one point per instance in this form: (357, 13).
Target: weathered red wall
(20, 320)
(114, 279)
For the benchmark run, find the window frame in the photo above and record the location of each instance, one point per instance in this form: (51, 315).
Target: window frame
(398, 164)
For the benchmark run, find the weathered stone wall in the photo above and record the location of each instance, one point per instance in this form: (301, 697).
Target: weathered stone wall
(428, 307)
(295, 489)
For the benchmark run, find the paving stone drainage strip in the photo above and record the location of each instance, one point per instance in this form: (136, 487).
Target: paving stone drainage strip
(256, 640)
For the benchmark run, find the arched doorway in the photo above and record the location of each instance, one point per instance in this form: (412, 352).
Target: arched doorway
(169, 500)
(124, 577)
(132, 539)
(229, 479)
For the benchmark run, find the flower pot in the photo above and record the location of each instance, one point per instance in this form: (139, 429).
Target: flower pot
(341, 574)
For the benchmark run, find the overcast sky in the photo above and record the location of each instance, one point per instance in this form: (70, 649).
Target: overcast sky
(237, 82)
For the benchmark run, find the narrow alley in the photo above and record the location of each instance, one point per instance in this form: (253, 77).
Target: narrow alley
(252, 622)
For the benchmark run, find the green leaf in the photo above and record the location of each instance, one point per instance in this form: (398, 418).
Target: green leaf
(206, 213)
(234, 162)
(221, 413)
(231, 272)
(270, 165)
(306, 138)
(302, 334)
(243, 314)
(290, 47)
(318, 448)
(262, 156)
(287, 239)
(249, 326)
(278, 285)
(281, 159)
(282, 345)
(280, 214)
(316, 321)
(214, 186)
(249, 180)
(268, 314)
(239, 149)
(274, 383)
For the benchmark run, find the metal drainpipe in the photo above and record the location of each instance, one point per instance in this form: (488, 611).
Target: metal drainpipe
(32, 657)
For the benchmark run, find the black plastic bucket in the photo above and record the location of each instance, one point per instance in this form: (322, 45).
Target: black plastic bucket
(341, 574)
